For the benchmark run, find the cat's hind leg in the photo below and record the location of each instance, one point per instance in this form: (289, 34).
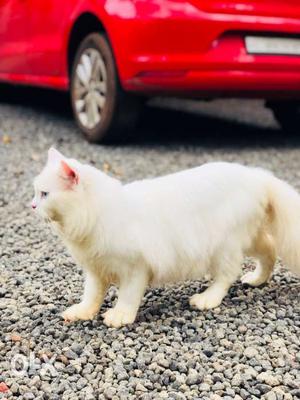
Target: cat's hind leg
(264, 251)
(132, 286)
(226, 269)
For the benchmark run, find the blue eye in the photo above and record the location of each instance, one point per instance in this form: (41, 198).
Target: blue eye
(44, 194)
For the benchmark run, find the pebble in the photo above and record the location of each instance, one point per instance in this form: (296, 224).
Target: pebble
(140, 388)
(270, 396)
(268, 378)
(193, 377)
(251, 352)
(109, 393)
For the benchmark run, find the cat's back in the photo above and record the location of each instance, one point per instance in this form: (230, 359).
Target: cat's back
(204, 177)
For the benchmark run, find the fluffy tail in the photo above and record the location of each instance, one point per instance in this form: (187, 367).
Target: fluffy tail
(284, 204)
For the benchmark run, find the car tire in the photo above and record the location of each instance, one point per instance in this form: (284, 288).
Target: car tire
(287, 114)
(103, 111)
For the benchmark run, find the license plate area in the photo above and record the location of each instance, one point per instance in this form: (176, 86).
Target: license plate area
(272, 45)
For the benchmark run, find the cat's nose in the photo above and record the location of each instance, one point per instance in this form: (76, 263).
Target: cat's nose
(33, 205)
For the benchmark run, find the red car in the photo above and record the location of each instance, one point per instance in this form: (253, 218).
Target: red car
(111, 53)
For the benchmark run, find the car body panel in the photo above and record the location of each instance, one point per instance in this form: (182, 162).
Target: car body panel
(270, 8)
(160, 46)
(14, 42)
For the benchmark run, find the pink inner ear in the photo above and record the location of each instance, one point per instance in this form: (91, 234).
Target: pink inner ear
(69, 173)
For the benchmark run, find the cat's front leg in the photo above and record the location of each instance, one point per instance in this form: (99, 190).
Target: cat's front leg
(94, 291)
(131, 291)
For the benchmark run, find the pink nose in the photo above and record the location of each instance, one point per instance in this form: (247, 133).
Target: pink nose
(33, 205)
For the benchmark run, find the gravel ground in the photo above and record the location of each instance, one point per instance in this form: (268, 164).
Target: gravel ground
(246, 349)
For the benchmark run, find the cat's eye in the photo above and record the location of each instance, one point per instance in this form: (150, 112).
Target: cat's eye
(44, 194)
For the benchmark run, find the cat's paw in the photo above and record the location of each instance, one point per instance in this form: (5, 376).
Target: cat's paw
(252, 278)
(78, 312)
(116, 317)
(205, 301)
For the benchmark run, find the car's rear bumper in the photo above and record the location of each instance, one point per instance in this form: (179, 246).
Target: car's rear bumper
(203, 53)
(225, 69)
(208, 84)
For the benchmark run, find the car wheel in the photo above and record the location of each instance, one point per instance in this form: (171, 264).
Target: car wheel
(287, 114)
(102, 109)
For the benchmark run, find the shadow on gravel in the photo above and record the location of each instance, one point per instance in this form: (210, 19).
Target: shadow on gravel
(167, 126)
(162, 125)
(45, 101)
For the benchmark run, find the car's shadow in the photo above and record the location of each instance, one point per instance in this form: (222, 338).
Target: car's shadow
(164, 125)
(46, 101)
(161, 125)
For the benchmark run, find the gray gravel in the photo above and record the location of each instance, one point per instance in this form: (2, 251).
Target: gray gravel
(246, 349)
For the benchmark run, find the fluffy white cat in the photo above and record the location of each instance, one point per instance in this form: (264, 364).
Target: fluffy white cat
(169, 229)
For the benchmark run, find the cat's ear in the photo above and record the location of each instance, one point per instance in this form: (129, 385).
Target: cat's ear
(54, 156)
(69, 173)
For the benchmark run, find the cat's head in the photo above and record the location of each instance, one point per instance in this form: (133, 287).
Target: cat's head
(57, 188)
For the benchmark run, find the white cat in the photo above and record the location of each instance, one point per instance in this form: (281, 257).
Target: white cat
(169, 229)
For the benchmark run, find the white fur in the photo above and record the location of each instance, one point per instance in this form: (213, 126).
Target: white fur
(169, 229)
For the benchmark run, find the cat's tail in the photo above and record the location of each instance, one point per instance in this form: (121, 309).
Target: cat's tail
(284, 222)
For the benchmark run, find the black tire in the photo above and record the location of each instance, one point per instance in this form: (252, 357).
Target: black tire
(287, 114)
(120, 110)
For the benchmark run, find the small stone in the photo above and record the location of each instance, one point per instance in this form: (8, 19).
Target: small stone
(215, 397)
(208, 353)
(3, 387)
(70, 354)
(140, 388)
(128, 342)
(218, 386)
(204, 387)
(230, 392)
(15, 337)
(242, 328)
(161, 360)
(218, 367)
(63, 359)
(296, 393)
(163, 394)
(77, 348)
(177, 396)
(278, 344)
(251, 352)
(226, 343)
(81, 383)
(28, 396)
(270, 396)
(14, 388)
(220, 333)
(109, 392)
(244, 394)
(268, 378)
(236, 380)
(36, 381)
(193, 377)
(263, 388)
(121, 373)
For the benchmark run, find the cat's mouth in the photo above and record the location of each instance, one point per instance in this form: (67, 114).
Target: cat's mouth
(44, 217)
(49, 216)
